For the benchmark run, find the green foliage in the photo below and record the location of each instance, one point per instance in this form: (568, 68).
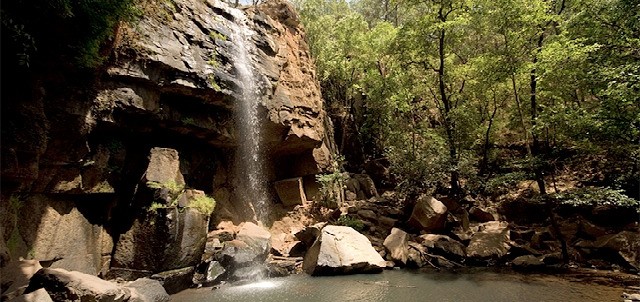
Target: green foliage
(594, 196)
(502, 183)
(213, 83)
(346, 220)
(204, 204)
(174, 189)
(331, 184)
(217, 36)
(64, 27)
(189, 121)
(435, 86)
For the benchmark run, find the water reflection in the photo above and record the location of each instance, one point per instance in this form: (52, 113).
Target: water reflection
(409, 286)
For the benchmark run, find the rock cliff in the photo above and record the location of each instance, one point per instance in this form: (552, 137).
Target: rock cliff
(75, 143)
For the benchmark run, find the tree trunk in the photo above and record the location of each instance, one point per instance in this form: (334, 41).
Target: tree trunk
(535, 143)
(449, 128)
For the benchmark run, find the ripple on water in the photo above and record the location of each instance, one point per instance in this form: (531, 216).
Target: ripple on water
(402, 285)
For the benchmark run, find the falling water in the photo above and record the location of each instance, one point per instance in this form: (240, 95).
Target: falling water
(250, 178)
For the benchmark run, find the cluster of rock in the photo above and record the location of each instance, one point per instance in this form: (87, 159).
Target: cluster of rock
(447, 234)
(27, 280)
(248, 251)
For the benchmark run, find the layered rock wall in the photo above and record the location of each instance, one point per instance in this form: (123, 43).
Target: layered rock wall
(75, 143)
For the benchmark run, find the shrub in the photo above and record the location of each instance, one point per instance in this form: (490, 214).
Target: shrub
(203, 204)
(349, 221)
(331, 184)
(595, 196)
(501, 183)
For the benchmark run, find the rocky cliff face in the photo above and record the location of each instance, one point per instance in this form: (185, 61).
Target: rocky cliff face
(75, 146)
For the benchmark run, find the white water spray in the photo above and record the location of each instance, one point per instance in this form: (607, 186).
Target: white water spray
(250, 176)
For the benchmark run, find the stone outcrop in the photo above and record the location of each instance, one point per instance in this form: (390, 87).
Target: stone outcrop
(63, 285)
(291, 191)
(491, 241)
(39, 295)
(397, 245)
(428, 214)
(16, 276)
(342, 250)
(359, 187)
(168, 234)
(443, 245)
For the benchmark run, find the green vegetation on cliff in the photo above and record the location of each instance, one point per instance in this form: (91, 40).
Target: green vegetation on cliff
(76, 30)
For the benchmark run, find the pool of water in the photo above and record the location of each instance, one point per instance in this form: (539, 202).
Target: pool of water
(403, 285)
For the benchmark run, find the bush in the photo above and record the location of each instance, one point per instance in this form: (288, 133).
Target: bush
(203, 204)
(595, 196)
(349, 221)
(332, 184)
(501, 183)
(42, 28)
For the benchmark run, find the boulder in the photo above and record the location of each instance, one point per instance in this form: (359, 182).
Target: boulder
(291, 191)
(175, 280)
(166, 239)
(208, 272)
(527, 262)
(257, 238)
(359, 187)
(63, 285)
(40, 295)
(626, 297)
(251, 246)
(368, 215)
(147, 290)
(288, 248)
(480, 215)
(309, 234)
(442, 245)
(68, 234)
(16, 276)
(397, 246)
(164, 167)
(626, 244)
(342, 250)
(491, 241)
(417, 254)
(428, 214)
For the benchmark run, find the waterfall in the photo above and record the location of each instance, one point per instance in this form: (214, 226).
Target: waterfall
(250, 176)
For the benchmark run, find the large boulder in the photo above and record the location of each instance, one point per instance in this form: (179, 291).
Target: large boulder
(243, 256)
(626, 244)
(15, 277)
(491, 241)
(258, 239)
(165, 239)
(66, 232)
(164, 167)
(397, 246)
(291, 191)
(442, 245)
(39, 295)
(147, 290)
(527, 262)
(480, 215)
(428, 214)
(63, 285)
(342, 250)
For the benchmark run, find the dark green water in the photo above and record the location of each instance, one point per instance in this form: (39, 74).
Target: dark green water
(402, 285)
